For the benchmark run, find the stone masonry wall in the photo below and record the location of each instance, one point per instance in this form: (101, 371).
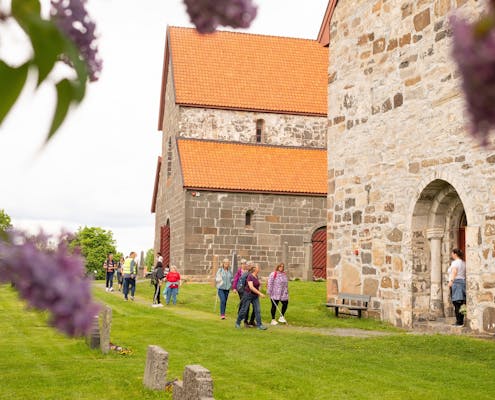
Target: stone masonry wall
(170, 197)
(215, 225)
(397, 123)
(240, 126)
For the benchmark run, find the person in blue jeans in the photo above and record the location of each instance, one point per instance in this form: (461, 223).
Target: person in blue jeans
(251, 296)
(129, 271)
(172, 285)
(223, 280)
(109, 266)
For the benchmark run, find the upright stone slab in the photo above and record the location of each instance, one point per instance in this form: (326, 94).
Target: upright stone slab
(105, 329)
(93, 338)
(197, 384)
(155, 372)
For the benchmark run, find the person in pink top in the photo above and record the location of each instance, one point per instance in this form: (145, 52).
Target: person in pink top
(278, 290)
(172, 285)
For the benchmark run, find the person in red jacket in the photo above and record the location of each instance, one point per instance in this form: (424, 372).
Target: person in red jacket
(172, 286)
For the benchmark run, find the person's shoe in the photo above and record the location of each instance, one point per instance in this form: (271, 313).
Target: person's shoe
(110, 289)
(252, 323)
(132, 298)
(282, 320)
(154, 305)
(222, 316)
(237, 326)
(126, 299)
(262, 328)
(274, 322)
(247, 325)
(159, 305)
(106, 289)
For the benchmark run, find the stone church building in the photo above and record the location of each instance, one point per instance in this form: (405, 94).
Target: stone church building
(243, 161)
(406, 183)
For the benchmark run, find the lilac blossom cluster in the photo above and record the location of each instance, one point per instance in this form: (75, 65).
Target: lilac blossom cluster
(72, 18)
(207, 15)
(49, 278)
(474, 53)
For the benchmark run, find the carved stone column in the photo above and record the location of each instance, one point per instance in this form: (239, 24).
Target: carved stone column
(435, 236)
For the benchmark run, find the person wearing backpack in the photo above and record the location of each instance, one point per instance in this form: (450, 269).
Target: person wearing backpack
(223, 280)
(251, 296)
(238, 286)
(156, 279)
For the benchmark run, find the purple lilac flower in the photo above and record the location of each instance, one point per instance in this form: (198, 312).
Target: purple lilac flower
(474, 52)
(49, 279)
(207, 15)
(72, 18)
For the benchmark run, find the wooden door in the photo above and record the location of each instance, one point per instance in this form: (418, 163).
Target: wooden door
(319, 242)
(165, 244)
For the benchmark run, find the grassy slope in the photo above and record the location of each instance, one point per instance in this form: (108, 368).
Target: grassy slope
(280, 363)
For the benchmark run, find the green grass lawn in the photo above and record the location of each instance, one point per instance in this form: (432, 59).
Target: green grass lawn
(281, 363)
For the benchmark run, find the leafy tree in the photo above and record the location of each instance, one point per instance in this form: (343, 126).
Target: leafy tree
(149, 259)
(4, 221)
(94, 243)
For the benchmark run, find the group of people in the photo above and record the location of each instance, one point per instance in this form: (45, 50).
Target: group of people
(167, 277)
(126, 274)
(246, 283)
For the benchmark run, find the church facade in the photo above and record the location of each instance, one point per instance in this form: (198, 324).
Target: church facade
(406, 182)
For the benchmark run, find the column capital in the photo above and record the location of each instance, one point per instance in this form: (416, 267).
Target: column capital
(435, 233)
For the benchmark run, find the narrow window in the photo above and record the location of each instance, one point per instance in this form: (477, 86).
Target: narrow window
(249, 215)
(169, 157)
(260, 124)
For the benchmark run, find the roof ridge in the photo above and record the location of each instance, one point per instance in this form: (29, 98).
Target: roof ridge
(237, 32)
(180, 138)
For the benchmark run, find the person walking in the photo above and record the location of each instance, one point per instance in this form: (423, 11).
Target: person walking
(120, 279)
(129, 270)
(223, 281)
(457, 283)
(172, 285)
(109, 266)
(251, 296)
(238, 285)
(157, 277)
(278, 291)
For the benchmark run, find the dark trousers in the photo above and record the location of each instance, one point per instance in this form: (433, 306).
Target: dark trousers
(109, 280)
(458, 315)
(251, 320)
(247, 299)
(223, 295)
(285, 304)
(129, 282)
(156, 296)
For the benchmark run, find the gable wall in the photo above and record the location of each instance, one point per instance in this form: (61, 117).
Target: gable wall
(396, 119)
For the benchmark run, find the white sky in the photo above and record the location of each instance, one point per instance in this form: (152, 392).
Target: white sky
(99, 169)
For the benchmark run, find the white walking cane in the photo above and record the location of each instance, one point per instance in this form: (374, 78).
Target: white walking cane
(275, 304)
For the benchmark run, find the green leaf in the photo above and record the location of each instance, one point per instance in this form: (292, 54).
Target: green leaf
(12, 81)
(25, 7)
(65, 97)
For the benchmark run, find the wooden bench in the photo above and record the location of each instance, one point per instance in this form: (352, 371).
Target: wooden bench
(354, 302)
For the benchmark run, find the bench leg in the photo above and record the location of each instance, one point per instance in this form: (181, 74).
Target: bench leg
(359, 313)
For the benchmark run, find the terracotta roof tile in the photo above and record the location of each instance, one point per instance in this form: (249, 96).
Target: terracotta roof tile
(250, 72)
(252, 168)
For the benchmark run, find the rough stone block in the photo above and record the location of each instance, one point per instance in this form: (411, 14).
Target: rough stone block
(422, 20)
(105, 329)
(155, 372)
(93, 338)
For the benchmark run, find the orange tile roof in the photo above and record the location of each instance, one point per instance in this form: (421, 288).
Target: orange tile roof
(249, 72)
(232, 166)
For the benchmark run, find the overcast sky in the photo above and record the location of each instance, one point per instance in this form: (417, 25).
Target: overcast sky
(99, 169)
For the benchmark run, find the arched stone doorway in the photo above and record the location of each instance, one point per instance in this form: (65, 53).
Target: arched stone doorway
(319, 256)
(438, 225)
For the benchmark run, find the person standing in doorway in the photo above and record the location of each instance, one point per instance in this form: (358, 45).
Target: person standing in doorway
(109, 266)
(278, 291)
(129, 271)
(457, 282)
(223, 280)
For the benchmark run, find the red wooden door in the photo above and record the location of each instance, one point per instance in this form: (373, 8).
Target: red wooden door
(462, 239)
(319, 242)
(165, 244)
